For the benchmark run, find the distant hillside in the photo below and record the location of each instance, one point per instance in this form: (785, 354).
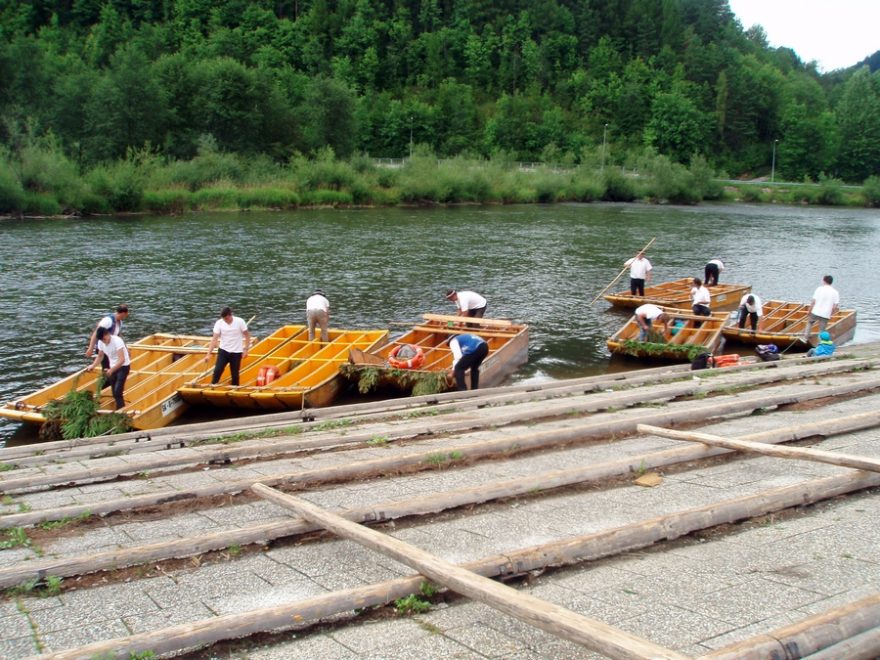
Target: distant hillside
(536, 79)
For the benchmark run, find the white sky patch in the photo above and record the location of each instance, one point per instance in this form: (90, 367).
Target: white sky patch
(834, 33)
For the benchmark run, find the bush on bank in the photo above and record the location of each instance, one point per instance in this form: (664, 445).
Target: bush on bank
(39, 180)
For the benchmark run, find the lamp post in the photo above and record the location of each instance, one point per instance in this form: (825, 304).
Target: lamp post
(773, 163)
(604, 141)
(410, 135)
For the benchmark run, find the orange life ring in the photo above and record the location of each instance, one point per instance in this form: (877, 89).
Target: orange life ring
(729, 360)
(267, 374)
(414, 362)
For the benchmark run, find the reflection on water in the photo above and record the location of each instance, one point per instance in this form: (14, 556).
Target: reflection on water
(538, 264)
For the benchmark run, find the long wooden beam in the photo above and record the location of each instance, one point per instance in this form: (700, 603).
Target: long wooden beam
(547, 616)
(803, 453)
(557, 553)
(414, 506)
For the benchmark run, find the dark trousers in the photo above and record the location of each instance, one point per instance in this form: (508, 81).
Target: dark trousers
(700, 310)
(636, 286)
(710, 274)
(477, 313)
(117, 385)
(753, 318)
(224, 358)
(470, 361)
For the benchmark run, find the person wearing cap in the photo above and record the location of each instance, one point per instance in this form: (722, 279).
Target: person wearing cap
(468, 352)
(231, 333)
(318, 314)
(113, 322)
(825, 346)
(712, 271)
(645, 315)
(468, 303)
(639, 273)
(750, 307)
(113, 352)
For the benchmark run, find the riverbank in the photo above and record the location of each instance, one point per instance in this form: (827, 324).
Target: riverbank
(49, 185)
(157, 546)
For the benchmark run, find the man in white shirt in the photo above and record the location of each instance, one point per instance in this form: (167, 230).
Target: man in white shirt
(639, 273)
(823, 306)
(712, 271)
(645, 316)
(113, 322)
(112, 348)
(318, 314)
(231, 333)
(750, 307)
(468, 303)
(701, 299)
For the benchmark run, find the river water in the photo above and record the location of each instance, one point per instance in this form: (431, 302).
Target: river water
(538, 264)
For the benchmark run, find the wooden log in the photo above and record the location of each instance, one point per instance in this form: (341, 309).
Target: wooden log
(454, 318)
(160, 438)
(803, 453)
(864, 646)
(592, 429)
(433, 503)
(557, 553)
(809, 636)
(9, 482)
(552, 618)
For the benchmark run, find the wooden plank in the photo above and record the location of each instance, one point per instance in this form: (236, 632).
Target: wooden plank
(454, 318)
(803, 453)
(547, 616)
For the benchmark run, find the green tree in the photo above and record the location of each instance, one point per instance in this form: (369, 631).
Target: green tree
(328, 117)
(858, 119)
(677, 128)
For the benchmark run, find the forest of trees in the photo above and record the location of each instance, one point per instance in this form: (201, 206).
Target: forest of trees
(544, 80)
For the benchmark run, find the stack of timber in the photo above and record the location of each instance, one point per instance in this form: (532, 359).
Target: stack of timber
(784, 323)
(304, 373)
(160, 363)
(692, 335)
(746, 548)
(677, 294)
(508, 350)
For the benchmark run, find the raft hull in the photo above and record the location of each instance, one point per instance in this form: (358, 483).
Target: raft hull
(677, 295)
(707, 337)
(508, 350)
(783, 324)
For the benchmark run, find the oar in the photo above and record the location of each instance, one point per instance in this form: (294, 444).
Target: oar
(620, 274)
(210, 369)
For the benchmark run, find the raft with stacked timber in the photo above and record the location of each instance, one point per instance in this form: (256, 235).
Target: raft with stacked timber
(304, 374)
(691, 335)
(160, 363)
(378, 369)
(784, 323)
(677, 294)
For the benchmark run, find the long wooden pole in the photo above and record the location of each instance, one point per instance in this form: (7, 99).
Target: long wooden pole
(803, 453)
(620, 274)
(547, 616)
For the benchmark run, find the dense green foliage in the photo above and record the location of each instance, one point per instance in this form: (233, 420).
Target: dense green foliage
(108, 83)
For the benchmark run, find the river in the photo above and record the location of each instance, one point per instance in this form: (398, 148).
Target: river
(538, 264)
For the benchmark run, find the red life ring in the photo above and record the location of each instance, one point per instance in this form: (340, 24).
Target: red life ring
(729, 360)
(267, 374)
(414, 362)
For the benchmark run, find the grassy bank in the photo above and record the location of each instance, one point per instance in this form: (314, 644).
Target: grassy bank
(40, 180)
